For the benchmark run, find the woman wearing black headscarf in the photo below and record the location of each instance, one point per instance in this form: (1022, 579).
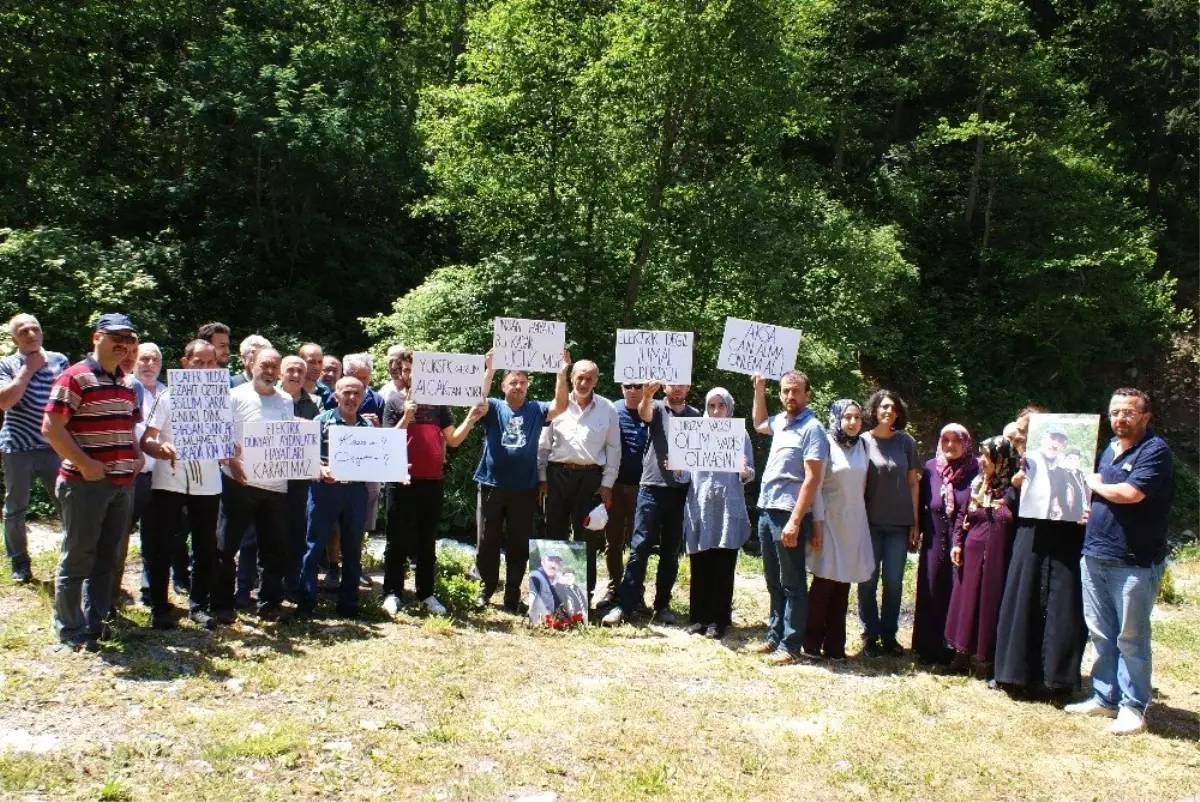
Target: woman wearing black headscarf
(981, 553)
(1041, 635)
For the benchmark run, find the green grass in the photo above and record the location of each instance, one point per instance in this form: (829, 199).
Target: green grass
(483, 708)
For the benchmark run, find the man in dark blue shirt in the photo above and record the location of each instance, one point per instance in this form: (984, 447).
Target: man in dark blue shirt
(619, 530)
(1124, 546)
(332, 502)
(508, 477)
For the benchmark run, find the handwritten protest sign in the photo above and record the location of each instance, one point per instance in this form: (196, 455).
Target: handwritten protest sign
(366, 454)
(273, 450)
(452, 379)
(707, 444)
(750, 348)
(201, 417)
(664, 356)
(530, 345)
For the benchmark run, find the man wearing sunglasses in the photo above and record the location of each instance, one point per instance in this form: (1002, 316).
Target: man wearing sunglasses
(618, 532)
(89, 421)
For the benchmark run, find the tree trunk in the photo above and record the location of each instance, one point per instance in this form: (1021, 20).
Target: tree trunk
(987, 224)
(672, 123)
(458, 39)
(977, 167)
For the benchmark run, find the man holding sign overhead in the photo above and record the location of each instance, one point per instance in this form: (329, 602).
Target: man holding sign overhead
(332, 502)
(578, 459)
(660, 507)
(508, 477)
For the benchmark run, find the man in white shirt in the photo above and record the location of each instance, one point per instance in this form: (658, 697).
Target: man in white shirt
(245, 502)
(579, 455)
(194, 486)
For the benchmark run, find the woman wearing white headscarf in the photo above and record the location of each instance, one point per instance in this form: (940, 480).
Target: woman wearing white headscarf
(846, 554)
(715, 525)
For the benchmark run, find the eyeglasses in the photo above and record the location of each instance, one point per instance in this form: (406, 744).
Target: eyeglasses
(1124, 413)
(121, 339)
(631, 386)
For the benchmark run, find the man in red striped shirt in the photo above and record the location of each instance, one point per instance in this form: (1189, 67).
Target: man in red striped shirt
(89, 421)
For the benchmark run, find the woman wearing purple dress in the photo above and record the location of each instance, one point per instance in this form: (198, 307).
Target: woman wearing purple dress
(945, 494)
(981, 552)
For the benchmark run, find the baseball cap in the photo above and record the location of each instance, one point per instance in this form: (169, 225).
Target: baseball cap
(115, 321)
(552, 555)
(1057, 430)
(597, 519)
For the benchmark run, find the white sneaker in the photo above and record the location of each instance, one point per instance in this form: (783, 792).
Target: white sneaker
(1091, 707)
(391, 605)
(1128, 722)
(614, 616)
(434, 606)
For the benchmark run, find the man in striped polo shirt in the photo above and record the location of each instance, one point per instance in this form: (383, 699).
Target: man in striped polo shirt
(89, 420)
(25, 379)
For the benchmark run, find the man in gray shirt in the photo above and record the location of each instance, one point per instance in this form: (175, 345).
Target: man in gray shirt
(659, 514)
(788, 498)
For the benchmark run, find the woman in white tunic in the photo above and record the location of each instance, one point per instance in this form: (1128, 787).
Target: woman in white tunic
(846, 555)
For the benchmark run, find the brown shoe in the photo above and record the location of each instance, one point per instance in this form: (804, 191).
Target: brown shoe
(782, 658)
(762, 647)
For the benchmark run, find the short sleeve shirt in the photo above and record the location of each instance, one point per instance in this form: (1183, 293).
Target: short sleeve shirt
(510, 445)
(249, 406)
(792, 444)
(889, 498)
(102, 411)
(197, 478)
(426, 443)
(1135, 534)
(656, 452)
(634, 432)
(22, 427)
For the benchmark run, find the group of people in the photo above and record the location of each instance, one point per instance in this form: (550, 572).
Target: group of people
(1010, 597)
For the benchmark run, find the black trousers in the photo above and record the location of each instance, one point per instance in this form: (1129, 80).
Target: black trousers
(710, 596)
(825, 632)
(570, 496)
(505, 520)
(413, 513)
(164, 520)
(242, 506)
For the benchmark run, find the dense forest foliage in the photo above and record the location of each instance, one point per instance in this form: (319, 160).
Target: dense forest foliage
(980, 203)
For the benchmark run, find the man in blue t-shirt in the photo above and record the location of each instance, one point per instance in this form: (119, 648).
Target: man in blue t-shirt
(25, 380)
(508, 477)
(1124, 546)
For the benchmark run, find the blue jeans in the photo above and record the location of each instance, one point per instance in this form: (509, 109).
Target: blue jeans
(20, 467)
(247, 566)
(658, 517)
(890, 544)
(783, 568)
(1117, 600)
(346, 505)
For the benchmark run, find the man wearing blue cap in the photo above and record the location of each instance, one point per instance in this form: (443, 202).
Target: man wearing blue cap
(89, 421)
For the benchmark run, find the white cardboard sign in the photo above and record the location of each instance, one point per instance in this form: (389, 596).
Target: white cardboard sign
(707, 444)
(273, 450)
(368, 454)
(643, 356)
(530, 345)
(454, 380)
(201, 416)
(750, 348)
